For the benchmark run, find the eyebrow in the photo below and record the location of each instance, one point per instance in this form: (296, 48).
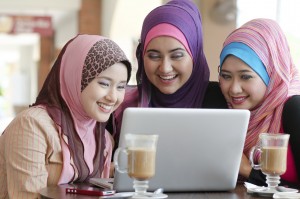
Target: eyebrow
(177, 49)
(109, 79)
(240, 71)
(173, 50)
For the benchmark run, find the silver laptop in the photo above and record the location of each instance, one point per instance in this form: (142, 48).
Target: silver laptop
(197, 149)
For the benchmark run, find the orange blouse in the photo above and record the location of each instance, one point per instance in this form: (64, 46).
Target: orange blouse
(31, 156)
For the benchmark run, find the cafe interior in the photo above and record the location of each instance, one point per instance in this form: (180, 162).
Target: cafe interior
(32, 32)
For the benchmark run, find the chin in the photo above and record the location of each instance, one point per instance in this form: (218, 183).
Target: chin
(167, 91)
(240, 107)
(103, 118)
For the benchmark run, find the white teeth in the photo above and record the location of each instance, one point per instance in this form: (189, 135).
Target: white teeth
(239, 99)
(106, 107)
(167, 77)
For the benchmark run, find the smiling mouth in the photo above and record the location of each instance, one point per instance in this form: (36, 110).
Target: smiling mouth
(238, 100)
(104, 106)
(168, 77)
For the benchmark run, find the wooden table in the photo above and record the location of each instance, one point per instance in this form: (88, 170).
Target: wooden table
(240, 192)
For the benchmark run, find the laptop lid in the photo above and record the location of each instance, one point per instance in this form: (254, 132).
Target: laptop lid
(197, 149)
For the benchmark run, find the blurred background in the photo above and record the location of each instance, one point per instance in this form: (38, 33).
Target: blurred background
(32, 33)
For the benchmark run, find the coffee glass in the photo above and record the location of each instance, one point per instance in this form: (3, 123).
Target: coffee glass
(141, 154)
(272, 150)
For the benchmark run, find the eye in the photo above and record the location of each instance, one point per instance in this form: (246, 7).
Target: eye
(103, 84)
(121, 86)
(225, 76)
(177, 55)
(153, 56)
(246, 77)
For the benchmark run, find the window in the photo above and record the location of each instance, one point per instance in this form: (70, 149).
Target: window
(285, 12)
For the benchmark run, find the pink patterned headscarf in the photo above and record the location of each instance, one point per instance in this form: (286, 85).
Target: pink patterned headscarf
(267, 39)
(82, 138)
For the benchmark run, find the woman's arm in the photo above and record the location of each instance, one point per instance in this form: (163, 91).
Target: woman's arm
(245, 167)
(252, 175)
(291, 125)
(25, 156)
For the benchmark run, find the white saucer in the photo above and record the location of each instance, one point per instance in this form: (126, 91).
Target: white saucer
(286, 195)
(152, 195)
(131, 195)
(120, 195)
(264, 191)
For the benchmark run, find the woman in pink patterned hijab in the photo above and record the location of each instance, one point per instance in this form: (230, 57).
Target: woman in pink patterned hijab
(61, 138)
(257, 73)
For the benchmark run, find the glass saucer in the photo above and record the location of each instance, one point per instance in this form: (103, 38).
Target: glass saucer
(120, 195)
(151, 195)
(264, 191)
(131, 195)
(286, 195)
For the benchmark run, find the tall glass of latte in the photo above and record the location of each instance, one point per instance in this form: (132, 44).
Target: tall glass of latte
(141, 153)
(273, 156)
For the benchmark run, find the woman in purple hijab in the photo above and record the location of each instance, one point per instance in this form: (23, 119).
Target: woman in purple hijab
(172, 68)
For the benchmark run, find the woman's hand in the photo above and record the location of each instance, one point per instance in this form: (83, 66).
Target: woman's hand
(245, 167)
(112, 170)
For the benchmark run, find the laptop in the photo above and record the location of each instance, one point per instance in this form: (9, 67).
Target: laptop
(197, 149)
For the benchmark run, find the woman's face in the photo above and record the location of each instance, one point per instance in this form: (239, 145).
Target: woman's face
(168, 65)
(105, 93)
(242, 87)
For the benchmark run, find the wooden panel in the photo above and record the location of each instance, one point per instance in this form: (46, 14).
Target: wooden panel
(89, 17)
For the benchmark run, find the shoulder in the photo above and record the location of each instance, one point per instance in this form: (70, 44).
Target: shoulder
(292, 102)
(34, 120)
(34, 115)
(213, 97)
(291, 106)
(291, 114)
(213, 87)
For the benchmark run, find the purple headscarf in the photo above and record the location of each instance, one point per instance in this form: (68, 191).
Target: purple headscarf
(184, 15)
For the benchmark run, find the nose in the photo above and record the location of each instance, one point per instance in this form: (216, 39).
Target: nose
(235, 87)
(165, 66)
(112, 95)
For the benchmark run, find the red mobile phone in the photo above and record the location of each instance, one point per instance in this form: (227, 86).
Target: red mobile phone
(91, 191)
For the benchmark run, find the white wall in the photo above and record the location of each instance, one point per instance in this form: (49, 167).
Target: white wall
(214, 35)
(122, 22)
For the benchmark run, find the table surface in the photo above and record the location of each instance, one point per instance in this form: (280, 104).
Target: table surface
(239, 192)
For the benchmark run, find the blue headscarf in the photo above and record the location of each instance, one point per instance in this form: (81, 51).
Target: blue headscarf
(247, 55)
(184, 15)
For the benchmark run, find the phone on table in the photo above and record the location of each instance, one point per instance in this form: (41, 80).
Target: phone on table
(102, 182)
(91, 191)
